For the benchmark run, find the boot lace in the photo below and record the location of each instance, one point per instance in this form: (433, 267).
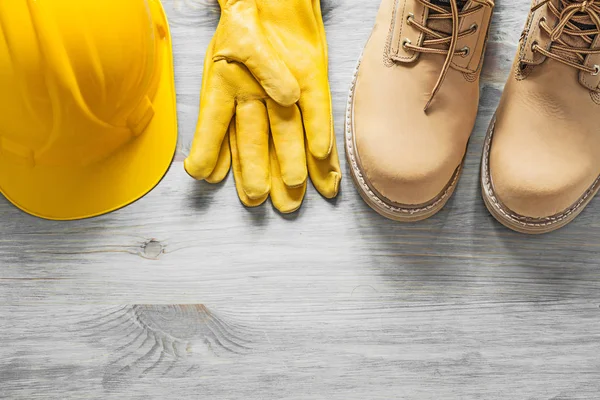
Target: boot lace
(570, 18)
(437, 38)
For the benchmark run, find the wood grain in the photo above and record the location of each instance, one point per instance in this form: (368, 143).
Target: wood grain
(186, 294)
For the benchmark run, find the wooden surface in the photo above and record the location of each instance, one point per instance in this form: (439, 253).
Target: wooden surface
(186, 294)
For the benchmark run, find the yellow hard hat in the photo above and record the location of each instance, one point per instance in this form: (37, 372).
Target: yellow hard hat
(87, 104)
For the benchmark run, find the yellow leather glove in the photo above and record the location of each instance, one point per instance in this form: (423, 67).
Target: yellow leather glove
(262, 52)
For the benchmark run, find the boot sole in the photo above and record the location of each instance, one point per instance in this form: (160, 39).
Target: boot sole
(517, 222)
(383, 206)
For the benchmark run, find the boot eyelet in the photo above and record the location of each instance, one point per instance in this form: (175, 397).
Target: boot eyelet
(534, 45)
(474, 27)
(596, 70)
(405, 42)
(542, 20)
(410, 17)
(465, 51)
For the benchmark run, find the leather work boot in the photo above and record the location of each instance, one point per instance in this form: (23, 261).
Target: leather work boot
(541, 157)
(413, 103)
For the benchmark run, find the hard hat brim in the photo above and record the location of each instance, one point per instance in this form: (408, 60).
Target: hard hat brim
(67, 193)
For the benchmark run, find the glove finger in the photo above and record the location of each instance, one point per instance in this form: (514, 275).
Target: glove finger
(224, 161)
(216, 111)
(288, 139)
(315, 106)
(242, 39)
(273, 75)
(326, 174)
(237, 171)
(213, 122)
(284, 198)
(252, 127)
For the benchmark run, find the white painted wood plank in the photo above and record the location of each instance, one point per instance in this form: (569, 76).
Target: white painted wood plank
(355, 351)
(333, 302)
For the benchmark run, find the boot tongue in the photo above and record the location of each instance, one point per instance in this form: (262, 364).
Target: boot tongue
(583, 22)
(446, 3)
(444, 25)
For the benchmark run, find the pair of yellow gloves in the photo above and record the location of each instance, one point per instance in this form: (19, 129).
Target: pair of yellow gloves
(265, 107)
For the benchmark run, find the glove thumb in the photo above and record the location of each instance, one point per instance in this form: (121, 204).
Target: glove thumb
(241, 38)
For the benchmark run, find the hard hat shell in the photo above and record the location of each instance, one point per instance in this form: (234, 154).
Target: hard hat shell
(87, 104)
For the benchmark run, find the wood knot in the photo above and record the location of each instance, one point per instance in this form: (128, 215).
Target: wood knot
(152, 249)
(166, 340)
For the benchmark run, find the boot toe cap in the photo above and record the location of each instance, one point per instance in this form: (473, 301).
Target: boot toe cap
(408, 175)
(537, 189)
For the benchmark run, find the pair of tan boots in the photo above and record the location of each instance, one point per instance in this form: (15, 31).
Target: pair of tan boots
(414, 101)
